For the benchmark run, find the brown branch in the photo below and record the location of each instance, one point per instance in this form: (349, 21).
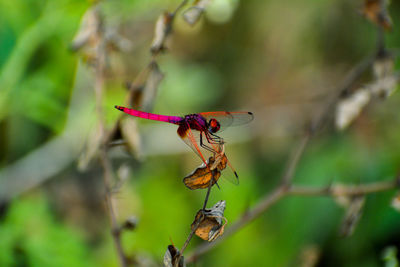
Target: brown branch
(108, 175)
(344, 190)
(283, 191)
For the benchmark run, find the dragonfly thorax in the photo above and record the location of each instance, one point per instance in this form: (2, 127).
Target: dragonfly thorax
(196, 122)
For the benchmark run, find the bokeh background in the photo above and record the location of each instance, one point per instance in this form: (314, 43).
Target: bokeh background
(282, 60)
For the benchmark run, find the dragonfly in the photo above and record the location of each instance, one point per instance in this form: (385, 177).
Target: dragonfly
(199, 130)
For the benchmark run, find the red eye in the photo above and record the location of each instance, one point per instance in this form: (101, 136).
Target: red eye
(214, 125)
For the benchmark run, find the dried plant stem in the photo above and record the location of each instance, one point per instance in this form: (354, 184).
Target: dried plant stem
(198, 220)
(283, 191)
(108, 175)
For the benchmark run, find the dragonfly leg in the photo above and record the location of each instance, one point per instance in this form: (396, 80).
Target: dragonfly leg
(210, 149)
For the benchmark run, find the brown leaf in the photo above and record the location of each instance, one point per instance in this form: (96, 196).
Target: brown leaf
(349, 108)
(209, 222)
(171, 257)
(200, 178)
(376, 12)
(90, 149)
(193, 13)
(88, 32)
(130, 134)
(161, 32)
(144, 89)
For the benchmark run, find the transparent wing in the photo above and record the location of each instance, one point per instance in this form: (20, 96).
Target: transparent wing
(227, 119)
(191, 139)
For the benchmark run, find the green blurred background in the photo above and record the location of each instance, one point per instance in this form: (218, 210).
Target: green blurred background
(280, 59)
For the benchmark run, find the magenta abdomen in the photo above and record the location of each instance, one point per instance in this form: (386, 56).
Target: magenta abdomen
(150, 116)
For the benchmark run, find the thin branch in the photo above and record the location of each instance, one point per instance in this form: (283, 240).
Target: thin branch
(281, 192)
(342, 190)
(104, 160)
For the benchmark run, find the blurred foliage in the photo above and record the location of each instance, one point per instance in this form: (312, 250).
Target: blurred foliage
(250, 55)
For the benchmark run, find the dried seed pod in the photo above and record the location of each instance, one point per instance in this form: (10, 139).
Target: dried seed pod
(209, 222)
(171, 257)
(89, 30)
(193, 13)
(161, 32)
(349, 108)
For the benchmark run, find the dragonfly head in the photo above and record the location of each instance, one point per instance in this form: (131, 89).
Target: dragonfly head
(213, 126)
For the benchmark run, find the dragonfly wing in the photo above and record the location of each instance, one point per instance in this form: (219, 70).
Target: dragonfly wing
(191, 139)
(227, 119)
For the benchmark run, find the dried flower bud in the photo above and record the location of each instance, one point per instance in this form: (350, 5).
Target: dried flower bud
(171, 257)
(349, 108)
(210, 223)
(193, 13)
(161, 31)
(130, 223)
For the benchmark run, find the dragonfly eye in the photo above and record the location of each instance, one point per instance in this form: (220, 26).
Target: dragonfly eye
(213, 126)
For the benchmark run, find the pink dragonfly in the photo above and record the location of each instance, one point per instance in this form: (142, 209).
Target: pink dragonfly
(199, 130)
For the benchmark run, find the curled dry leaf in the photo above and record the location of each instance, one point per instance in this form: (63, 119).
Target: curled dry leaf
(88, 34)
(193, 13)
(90, 149)
(162, 30)
(201, 177)
(353, 215)
(130, 133)
(376, 11)
(144, 89)
(386, 79)
(210, 222)
(171, 256)
(349, 108)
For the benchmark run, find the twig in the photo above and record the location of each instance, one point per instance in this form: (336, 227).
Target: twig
(281, 192)
(104, 160)
(198, 220)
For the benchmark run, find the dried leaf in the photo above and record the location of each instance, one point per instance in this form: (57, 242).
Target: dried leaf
(171, 256)
(386, 80)
(161, 32)
(193, 13)
(385, 86)
(151, 87)
(349, 108)
(144, 89)
(130, 133)
(200, 178)
(88, 33)
(376, 12)
(90, 149)
(209, 222)
(353, 215)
